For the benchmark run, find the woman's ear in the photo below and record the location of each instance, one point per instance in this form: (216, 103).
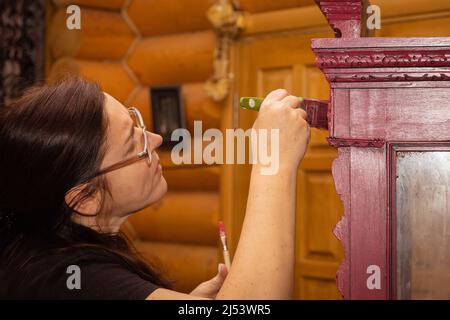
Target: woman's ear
(89, 206)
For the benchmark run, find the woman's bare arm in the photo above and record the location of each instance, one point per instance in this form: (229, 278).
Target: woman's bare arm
(263, 266)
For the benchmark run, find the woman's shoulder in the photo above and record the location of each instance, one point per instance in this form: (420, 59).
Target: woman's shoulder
(78, 273)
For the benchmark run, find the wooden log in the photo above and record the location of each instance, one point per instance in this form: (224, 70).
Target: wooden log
(283, 20)
(158, 17)
(110, 4)
(111, 75)
(174, 59)
(186, 265)
(62, 41)
(416, 28)
(103, 35)
(188, 217)
(410, 7)
(199, 106)
(189, 179)
(270, 5)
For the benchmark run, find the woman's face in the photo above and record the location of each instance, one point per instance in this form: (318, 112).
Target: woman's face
(139, 184)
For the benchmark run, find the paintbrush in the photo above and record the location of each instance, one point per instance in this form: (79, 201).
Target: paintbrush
(317, 110)
(223, 238)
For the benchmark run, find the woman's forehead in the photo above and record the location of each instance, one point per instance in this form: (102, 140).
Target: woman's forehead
(117, 112)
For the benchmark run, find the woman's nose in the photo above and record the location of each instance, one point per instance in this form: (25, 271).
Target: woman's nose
(156, 140)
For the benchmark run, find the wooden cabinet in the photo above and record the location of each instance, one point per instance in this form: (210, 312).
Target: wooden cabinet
(275, 51)
(390, 121)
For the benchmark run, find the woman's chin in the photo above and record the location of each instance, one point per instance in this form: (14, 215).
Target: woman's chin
(159, 191)
(164, 186)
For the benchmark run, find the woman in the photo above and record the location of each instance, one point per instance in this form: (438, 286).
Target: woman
(75, 163)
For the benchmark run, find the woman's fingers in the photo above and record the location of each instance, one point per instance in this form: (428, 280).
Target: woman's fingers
(210, 288)
(295, 103)
(274, 96)
(222, 271)
(302, 113)
(292, 101)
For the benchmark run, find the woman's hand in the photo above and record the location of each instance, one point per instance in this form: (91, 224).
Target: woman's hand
(280, 110)
(210, 288)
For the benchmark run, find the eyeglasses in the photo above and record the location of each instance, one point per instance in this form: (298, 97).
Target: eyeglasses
(145, 154)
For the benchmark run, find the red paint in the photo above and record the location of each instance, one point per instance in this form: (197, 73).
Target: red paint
(221, 229)
(317, 113)
(386, 93)
(344, 16)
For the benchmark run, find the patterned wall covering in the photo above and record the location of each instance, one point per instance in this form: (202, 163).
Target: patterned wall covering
(22, 27)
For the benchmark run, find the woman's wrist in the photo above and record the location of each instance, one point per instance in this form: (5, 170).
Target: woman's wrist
(282, 170)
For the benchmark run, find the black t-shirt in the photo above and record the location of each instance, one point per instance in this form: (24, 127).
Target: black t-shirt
(76, 274)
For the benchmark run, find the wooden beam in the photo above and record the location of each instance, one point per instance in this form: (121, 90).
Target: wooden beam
(174, 59)
(111, 75)
(270, 5)
(183, 217)
(110, 4)
(103, 35)
(159, 17)
(186, 265)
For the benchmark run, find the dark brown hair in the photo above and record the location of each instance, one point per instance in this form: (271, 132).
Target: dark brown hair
(51, 140)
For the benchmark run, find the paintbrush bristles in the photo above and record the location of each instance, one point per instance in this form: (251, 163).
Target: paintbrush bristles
(221, 229)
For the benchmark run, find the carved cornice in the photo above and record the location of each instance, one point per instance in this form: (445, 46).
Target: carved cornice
(351, 142)
(387, 77)
(381, 60)
(376, 59)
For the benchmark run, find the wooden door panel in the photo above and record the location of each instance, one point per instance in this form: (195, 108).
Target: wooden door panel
(317, 288)
(269, 78)
(319, 213)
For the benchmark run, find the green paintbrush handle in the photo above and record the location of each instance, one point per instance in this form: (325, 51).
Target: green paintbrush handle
(254, 103)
